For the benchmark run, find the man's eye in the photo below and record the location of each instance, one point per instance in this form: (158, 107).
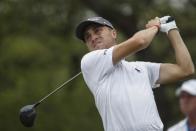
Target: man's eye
(97, 30)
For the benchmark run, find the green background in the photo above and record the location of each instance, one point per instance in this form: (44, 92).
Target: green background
(38, 52)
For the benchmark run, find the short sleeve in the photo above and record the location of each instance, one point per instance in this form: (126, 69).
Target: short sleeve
(96, 65)
(153, 70)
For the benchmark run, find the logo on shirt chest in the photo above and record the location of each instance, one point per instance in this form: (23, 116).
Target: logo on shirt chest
(138, 70)
(105, 51)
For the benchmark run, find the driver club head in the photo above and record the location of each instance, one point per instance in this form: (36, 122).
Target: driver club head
(27, 115)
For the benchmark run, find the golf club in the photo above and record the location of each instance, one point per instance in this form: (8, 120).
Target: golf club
(28, 112)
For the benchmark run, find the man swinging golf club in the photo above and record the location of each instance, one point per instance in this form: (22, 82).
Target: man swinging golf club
(123, 90)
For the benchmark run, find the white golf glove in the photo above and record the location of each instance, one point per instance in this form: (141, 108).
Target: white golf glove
(167, 24)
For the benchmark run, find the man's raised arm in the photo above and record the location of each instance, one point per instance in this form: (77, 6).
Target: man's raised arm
(137, 42)
(184, 65)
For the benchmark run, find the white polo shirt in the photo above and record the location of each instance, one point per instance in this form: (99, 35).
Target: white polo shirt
(123, 92)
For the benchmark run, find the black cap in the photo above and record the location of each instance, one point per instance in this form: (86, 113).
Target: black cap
(93, 20)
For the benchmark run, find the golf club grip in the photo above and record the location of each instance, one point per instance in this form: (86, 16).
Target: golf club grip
(170, 19)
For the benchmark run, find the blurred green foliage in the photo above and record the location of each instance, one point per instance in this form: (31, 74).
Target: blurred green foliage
(38, 52)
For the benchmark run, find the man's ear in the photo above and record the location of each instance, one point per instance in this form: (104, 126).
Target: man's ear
(114, 33)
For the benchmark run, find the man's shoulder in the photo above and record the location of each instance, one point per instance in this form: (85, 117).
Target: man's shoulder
(95, 53)
(179, 126)
(97, 59)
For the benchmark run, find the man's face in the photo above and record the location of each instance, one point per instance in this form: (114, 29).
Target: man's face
(187, 103)
(99, 37)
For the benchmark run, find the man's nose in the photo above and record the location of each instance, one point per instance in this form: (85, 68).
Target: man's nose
(94, 37)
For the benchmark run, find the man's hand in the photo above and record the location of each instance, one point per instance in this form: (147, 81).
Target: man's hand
(153, 22)
(167, 24)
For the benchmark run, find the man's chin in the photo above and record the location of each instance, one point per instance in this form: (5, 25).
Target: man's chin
(93, 49)
(99, 48)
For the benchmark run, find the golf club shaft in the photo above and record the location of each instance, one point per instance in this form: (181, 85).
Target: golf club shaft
(58, 88)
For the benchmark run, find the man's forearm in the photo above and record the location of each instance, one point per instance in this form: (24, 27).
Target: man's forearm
(148, 34)
(183, 58)
(139, 41)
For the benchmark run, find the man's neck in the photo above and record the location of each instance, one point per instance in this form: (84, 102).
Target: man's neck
(192, 121)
